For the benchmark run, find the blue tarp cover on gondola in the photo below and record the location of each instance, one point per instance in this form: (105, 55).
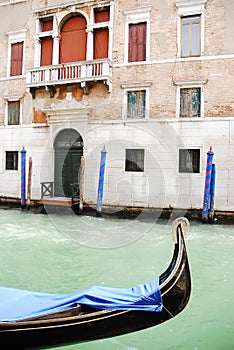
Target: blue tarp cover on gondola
(16, 304)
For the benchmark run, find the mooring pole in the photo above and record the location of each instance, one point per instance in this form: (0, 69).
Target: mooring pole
(82, 165)
(206, 198)
(23, 178)
(29, 181)
(101, 182)
(212, 194)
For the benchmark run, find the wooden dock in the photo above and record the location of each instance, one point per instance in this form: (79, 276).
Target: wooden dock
(59, 201)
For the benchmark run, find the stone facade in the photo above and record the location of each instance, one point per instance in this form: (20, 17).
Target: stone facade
(96, 105)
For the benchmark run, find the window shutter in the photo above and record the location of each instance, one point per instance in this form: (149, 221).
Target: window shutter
(137, 42)
(16, 59)
(132, 104)
(141, 42)
(132, 46)
(196, 102)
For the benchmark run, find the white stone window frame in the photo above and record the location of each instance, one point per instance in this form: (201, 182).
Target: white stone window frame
(13, 38)
(136, 87)
(50, 33)
(13, 98)
(5, 159)
(92, 26)
(134, 16)
(189, 85)
(190, 8)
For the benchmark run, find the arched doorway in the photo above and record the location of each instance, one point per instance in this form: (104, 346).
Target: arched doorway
(68, 146)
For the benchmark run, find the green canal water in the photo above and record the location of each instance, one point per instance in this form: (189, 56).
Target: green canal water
(63, 254)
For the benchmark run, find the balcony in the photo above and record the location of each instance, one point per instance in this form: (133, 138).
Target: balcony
(70, 73)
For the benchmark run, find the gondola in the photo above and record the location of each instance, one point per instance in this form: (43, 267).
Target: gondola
(108, 312)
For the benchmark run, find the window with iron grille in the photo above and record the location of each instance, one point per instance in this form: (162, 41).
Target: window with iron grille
(191, 36)
(134, 160)
(190, 102)
(136, 102)
(13, 112)
(11, 160)
(189, 161)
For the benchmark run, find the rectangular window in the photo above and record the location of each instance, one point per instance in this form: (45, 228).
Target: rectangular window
(12, 160)
(16, 59)
(136, 102)
(137, 42)
(46, 42)
(101, 33)
(134, 160)
(189, 161)
(101, 40)
(102, 15)
(47, 25)
(46, 51)
(13, 113)
(190, 102)
(191, 36)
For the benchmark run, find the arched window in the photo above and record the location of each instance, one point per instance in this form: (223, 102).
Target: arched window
(68, 138)
(73, 40)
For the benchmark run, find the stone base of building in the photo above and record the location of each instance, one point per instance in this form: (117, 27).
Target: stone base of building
(139, 213)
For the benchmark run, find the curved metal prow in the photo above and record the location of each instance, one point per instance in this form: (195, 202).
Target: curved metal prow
(175, 226)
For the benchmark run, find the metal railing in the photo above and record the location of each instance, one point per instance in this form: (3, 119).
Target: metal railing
(47, 189)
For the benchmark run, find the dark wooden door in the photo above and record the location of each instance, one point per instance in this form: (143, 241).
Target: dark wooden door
(68, 153)
(67, 166)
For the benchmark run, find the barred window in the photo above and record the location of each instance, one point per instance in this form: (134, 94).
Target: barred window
(11, 160)
(134, 160)
(189, 161)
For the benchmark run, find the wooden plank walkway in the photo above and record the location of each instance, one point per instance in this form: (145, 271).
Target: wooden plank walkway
(58, 201)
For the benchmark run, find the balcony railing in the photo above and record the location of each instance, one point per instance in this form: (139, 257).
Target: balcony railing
(67, 73)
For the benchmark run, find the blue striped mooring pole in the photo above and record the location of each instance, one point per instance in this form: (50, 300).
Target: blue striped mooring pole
(23, 178)
(101, 182)
(206, 198)
(212, 194)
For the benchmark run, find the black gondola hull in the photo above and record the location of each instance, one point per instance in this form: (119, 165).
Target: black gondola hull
(175, 286)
